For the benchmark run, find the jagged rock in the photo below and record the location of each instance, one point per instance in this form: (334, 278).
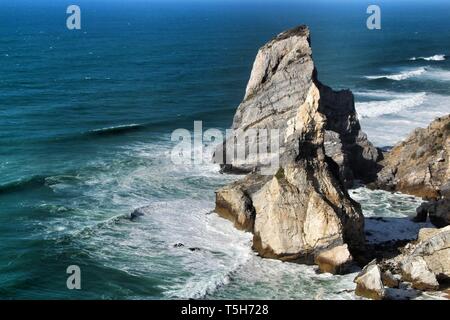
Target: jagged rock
(427, 261)
(415, 270)
(282, 75)
(390, 280)
(234, 202)
(303, 208)
(439, 212)
(368, 282)
(335, 260)
(420, 164)
(426, 233)
(422, 212)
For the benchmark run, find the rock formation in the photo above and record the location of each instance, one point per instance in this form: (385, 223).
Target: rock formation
(281, 80)
(369, 283)
(419, 165)
(301, 211)
(334, 261)
(424, 263)
(303, 208)
(428, 261)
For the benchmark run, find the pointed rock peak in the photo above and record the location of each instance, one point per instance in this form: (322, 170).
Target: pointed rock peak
(299, 31)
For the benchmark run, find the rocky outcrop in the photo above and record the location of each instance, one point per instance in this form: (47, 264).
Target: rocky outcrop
(437, 210)
(335, 260)
(302, 209)
(416, 271)
(234, 202)
(281, 79)
(369, 284)
(420, 164)
(390, 280)
(424, 263)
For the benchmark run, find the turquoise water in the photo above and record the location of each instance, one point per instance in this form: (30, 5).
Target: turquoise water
(85, 124)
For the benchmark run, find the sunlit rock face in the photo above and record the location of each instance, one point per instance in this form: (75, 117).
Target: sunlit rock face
(302, 208)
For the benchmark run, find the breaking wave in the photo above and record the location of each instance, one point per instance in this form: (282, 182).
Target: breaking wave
(427, 73)
(392, 103)
(436, 57)
(400, 76)
(117, 129)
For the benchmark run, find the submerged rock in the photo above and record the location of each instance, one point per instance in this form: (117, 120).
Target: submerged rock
(137, 213)
(368, 282)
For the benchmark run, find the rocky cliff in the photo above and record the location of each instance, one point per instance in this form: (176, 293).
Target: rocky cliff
(303, 209)
(420, 166)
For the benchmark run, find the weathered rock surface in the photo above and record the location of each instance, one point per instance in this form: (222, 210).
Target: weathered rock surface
(420, 164)
(437, 210)
(426, 262)
(335, 260)
(234, 202)
(281, 78)
(368, 282)
(302, 209)
(416, 271)
(390, 280)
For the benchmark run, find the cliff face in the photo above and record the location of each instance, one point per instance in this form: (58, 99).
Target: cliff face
(281, 78)
(419, 165)
(303, 209)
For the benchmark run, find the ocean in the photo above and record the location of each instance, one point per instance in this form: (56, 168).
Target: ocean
(86, 118)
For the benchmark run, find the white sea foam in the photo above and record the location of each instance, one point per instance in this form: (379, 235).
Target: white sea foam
(436, 57)
(426, 73)
(390, 116)
(392, 105)
(117, 128)
(396, 210)
(215, 260)
(437, 74)
(401, 75)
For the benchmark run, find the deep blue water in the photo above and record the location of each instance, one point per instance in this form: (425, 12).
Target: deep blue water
(86, 118)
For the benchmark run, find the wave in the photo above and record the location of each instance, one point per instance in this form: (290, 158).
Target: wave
(388, 116)
(436, 57)
(22, 184)
(392, 103)
(400, 76)
(116, 129)
(435, 74)
(36, 181)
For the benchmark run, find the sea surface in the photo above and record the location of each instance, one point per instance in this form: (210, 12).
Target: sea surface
(86, 118)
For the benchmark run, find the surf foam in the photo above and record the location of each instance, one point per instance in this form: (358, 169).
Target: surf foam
(401, 75)
(392, 105)
(436, 57)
